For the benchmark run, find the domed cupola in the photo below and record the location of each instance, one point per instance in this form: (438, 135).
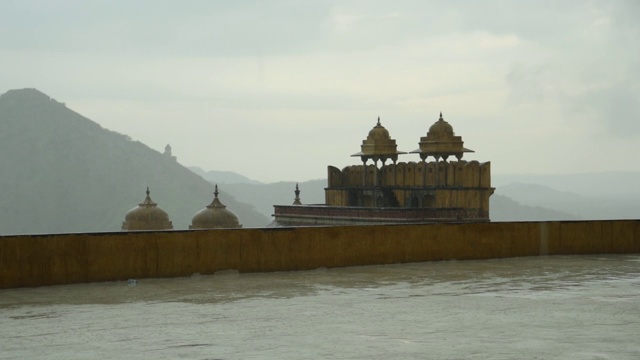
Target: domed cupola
(379, 145)
(147, 216)
(441, 142)
(215, 216)
(440, 129)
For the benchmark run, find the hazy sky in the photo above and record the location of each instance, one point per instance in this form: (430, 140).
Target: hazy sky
(278, 90)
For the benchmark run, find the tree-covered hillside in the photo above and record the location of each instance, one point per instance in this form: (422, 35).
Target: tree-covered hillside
(62, 172)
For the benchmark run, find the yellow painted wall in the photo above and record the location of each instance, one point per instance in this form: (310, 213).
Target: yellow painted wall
(75, 258)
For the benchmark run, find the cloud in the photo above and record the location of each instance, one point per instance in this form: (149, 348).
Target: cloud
(591, 81)
(617, 106)
(315, 75)
(191, 28)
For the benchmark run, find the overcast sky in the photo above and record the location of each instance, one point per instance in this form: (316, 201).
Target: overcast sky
(278, 90)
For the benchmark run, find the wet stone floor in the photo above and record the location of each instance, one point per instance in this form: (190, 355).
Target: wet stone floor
(560, 307)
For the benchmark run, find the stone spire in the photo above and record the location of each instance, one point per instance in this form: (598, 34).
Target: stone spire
(296, 201)
(147, 201)
(216, 201)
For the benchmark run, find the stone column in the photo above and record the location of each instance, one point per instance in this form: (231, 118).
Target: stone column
(364, 172)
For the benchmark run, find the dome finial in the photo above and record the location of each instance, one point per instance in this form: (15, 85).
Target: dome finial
(296, 201)
(147, 201)
(378, 120)
(216, 201)
(441, 119)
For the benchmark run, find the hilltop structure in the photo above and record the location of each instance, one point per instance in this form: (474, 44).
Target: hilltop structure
(168, 154)
(147, 216)
(398, 192)
(215, 216)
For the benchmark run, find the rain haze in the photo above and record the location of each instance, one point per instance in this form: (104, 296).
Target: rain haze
(277, 90)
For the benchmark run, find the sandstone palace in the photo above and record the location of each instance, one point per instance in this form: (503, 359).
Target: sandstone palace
(383, 190)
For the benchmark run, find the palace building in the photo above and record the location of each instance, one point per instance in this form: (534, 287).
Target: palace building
(383, 190)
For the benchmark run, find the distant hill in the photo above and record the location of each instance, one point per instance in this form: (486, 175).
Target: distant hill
(539, 195)
(62, 172)
(264, 196)
(503, 208)
(222, 177)
(597, 206)
(613, 185)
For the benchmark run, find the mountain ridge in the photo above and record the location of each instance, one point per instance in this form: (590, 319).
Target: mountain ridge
(222, 177)
(63, 172)
(595, 184)
(264, 196)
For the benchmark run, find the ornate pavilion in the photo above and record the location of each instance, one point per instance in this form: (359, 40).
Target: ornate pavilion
(388, 191)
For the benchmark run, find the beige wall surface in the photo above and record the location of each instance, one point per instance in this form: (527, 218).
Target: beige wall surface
(37, 260)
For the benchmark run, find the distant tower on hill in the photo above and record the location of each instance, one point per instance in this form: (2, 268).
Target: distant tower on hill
(167, 153)
(215, 216)
(147, 216)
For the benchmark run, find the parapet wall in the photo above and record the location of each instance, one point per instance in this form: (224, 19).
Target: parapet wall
(39, 260)
(463, 174)
(310, 215)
